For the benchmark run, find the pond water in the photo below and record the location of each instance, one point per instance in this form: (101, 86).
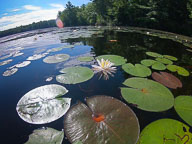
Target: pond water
(131, 43)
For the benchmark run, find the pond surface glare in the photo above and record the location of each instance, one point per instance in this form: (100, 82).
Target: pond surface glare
(130, 43)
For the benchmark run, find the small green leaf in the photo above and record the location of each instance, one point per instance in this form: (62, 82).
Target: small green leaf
(137, 70)
(180, 70)
(153, 54)
(85, 59)
(155, 64)
(164, 61)
(170, 57)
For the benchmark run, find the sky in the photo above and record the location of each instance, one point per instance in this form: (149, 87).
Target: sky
(15, 13)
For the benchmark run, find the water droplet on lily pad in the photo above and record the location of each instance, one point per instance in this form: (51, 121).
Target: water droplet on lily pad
(43, 104)
(180, 70)
(5, 62)
(74, 75)
(136, 70)
(46, 136)
(154, 54)
(10, 72)
(154, 64)
(183, 106)
(56, 58)
(117, 60)
(167, 80)
(165, 131)
(103, 120)
(85, 59)
(164, 61)
(147, 94)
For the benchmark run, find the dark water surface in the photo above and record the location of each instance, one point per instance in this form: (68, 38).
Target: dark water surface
(130, 45)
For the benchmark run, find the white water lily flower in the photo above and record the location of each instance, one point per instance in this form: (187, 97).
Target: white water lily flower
(105, 67)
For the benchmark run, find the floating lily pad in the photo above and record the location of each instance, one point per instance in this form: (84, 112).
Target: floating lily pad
(85, 59)
(167, 80)
(18, 54)
(55, 49)
(183, 106)
(117, 60)
(68, 46)
(6, 56)
(170, 57)
(5, 62)
(37, 56)
(104, 120)
(154, 64)
(166, 131)
(154, 54)
(74, 75)
(23, 64)
(78, 142)
(10, 72)
(180, 70)
(164, 60)
(147, 94)
(46, 136)
(43, 104)
(56, 58)
(137, 70)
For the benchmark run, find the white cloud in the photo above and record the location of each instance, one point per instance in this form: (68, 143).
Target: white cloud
(13, 21)
(31, 7)
(60, 6)
(5, 14)
(14, 10)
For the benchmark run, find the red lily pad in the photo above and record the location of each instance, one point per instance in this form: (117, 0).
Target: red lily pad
(167, 80)
(103, 120)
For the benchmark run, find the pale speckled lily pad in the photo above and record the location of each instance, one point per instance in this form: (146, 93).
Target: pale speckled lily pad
(46, 136)
(74, 75)
(23, 64)
(6, 56)
(117, 60)
(164, 60)
(147, 94)
(10, 72)
(103, 120)
(183, 106)
(56, 58)
(180, 70)
(85, 59)
(154, 64)
(154, 54)
(5, 62)
(43, 104)
(37, 56)
(18, 54)
(136, 70)
(165, 131)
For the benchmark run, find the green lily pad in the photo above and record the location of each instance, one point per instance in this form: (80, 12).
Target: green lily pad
(74, 75)
(117, 60)
(153, 54)
(46, 136)
(85, 59)
(180, 70)
(5, 62)
(183, 106)
(154, 64)
(166, 131)
(43, 104)
(170, 57)
(104, 120)
(56, 58)
(164, 60)
(137, 70)
(147, 94)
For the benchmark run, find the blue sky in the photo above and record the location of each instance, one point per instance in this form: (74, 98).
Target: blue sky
(15, 13)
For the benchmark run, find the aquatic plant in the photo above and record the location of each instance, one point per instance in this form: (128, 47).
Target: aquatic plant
(154, 64)
(46, 136)
(56, 58)
(85, 59)
(180, 70)
(105, 68)
(103, 120)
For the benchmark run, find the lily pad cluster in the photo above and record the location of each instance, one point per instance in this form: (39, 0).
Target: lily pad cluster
(156, 65)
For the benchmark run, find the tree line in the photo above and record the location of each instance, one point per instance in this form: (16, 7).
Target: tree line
(169, 15)
(33, 26)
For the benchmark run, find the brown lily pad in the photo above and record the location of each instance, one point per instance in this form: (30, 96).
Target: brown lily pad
(104, 120)
(167, 79)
